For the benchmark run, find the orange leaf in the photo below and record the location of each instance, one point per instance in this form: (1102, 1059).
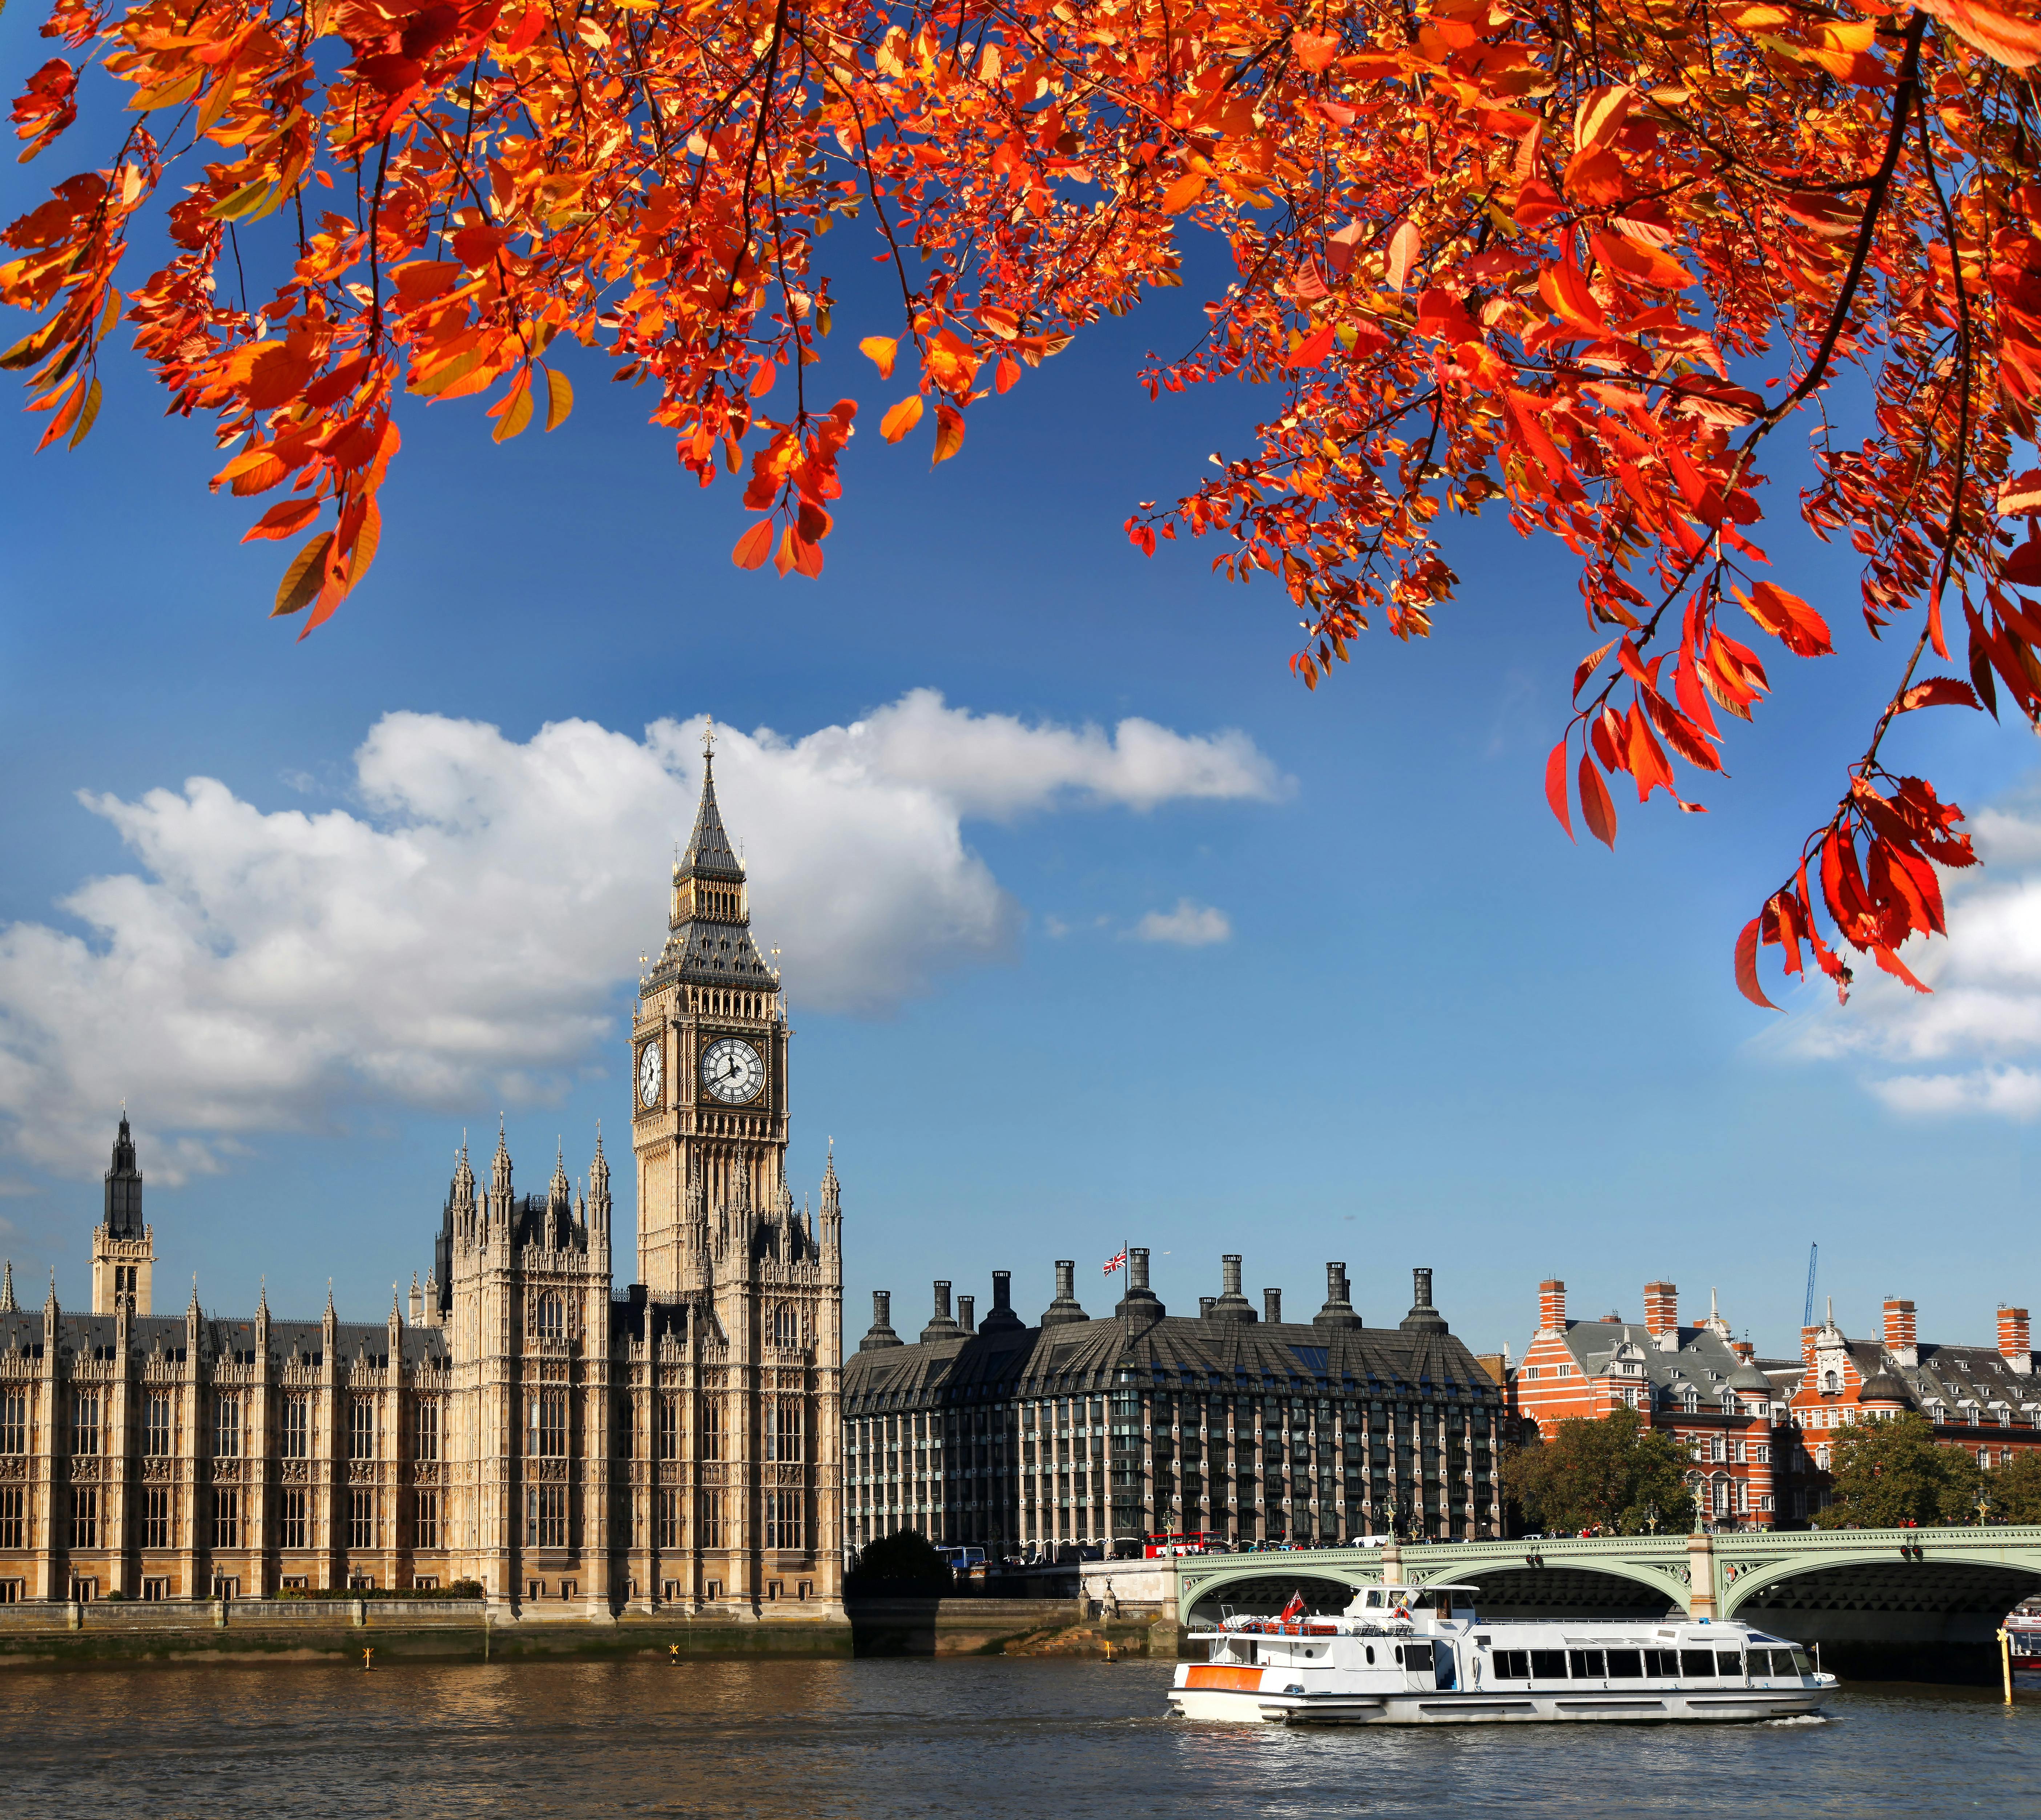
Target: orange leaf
(560, 399)
(902, 417)
(1597, 810)
(1310, 352)
(1184, 192)
(1939, 692)
(1746, 966)
(949, 433)
(1555, 787)
(1006, 375)
(1315, 50)
(1788, 618)
(517, 417)
(281, 521)
(1403, 249)
(305, 577)
(754, 546)
(882, 351)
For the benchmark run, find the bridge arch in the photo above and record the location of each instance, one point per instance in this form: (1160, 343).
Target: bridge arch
(1954, 1595)
(1260, 1587)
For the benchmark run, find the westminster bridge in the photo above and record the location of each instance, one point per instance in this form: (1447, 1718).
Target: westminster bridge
(1888, 1598)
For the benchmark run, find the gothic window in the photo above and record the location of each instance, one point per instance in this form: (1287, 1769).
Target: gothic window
(295, 1530)
(85, 1516)
(13, 1517)
(361, 1520)
(786, 1324)
(784, 1438)
(84, 1424)
(669, 1520)
(545, 1516)
(425, 1520)
(14, 1421)
(226, 1517)
(711, 1435)
(427, 1431)
(361, 1429)
(669, 1428)
(711, 1519)
(784, 1526)
(552, 1317)
(156, 1518)
(227, 1425)
(156, 1425)
(549, 1424)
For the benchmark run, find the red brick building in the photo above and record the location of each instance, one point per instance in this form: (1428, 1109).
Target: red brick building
(1760, 1431)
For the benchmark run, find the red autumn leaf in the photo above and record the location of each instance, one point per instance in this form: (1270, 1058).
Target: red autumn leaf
(1939, 692)
(1746, 968)
(1597, 810)
(754, 546)
(1556, 792)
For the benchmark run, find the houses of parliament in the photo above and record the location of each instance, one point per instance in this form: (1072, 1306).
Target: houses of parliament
(573, 1447)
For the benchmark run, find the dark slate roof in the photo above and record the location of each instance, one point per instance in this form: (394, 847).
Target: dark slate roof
(1284, 1356)
(1704, 1363)
(1950, 1375)
(709, 853)
(95, 1336)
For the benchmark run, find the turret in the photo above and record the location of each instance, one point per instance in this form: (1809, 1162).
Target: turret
(599, 1207)
(832, 1207)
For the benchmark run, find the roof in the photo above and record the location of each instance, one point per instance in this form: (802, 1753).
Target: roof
(230, 1338)
(709, 853)
(1705, 1365)
(712, 951)
(1289, 1357)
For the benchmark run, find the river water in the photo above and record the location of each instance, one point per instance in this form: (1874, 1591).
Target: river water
(876, 1739)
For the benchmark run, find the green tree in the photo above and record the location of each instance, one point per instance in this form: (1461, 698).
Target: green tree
(1615, 1474)
(2015, 1489)
(1886, 1474)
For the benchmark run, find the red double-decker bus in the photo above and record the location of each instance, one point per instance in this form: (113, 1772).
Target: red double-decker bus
(1165, 1543)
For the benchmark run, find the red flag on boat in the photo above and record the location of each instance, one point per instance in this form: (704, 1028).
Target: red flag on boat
(1295, 1608)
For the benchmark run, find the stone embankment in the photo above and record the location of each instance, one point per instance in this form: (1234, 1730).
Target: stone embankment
(341, 1630)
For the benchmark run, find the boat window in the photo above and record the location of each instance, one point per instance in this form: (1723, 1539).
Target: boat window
(1697, 1662)
(1662, 1661)
(1512, 1665)
(1371, 1654)
(1626, 1665)
(1548, 1665)
(1801, 1665)
(1586, 1665)
(1728, 1663)
(1375, 1601)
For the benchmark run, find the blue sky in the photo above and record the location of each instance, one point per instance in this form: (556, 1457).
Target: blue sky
(1434, 1032)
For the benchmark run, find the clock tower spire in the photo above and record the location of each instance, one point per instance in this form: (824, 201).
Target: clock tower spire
(708, 1067)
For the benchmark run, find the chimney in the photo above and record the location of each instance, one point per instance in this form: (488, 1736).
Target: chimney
(1205, 1307)
(942, 1298)
(1423, 1317)
(1137, 1267)
(1808, 1336)
(881, 1335)
(1662, 1315)
(1551, 1306)
(941, 1325)
(1001, 1318)
(1271, 1304)
(1743, 1349)
(1337, 1312)
(1899, 1340)
(2014, 1344)
(1064, 1308)
(1229, 1272)
(1228, 1304)
(966, 1312)
(1140, 1301)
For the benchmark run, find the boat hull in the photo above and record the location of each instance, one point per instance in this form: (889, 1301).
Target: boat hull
(1717, 1706)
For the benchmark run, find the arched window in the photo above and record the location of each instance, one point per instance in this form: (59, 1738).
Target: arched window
(1832, 1381)
(552, 1317)
(786, 1324)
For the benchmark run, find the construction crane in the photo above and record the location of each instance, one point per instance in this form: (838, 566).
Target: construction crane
(1813, 1252)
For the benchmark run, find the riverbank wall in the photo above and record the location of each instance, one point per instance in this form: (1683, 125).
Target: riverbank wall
(329, 1630)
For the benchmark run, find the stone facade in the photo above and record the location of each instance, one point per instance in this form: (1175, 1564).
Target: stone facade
(1233, 1425)
(522, 1424)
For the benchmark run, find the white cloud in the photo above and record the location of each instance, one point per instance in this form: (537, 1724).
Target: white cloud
(1187, 926)
(1984, 1013)
(461, 935)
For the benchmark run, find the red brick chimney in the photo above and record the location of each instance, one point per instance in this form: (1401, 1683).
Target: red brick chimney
(1808, 1336)
(1551, 1306)
(2014, 1344)
(1743, 1349)
(1661, 1310)
(1899, 1332)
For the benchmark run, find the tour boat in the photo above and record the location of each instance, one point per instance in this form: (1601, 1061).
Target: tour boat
(1404, 1656)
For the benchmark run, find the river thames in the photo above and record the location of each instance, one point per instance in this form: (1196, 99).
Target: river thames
(875, 1739)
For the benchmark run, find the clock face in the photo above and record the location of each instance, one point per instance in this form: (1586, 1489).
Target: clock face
(732, 1071)
(649, 1071)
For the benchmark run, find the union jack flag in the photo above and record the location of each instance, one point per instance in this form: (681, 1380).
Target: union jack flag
(1112, 1264)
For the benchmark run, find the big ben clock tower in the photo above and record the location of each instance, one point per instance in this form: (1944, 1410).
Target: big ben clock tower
(709, 1066)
